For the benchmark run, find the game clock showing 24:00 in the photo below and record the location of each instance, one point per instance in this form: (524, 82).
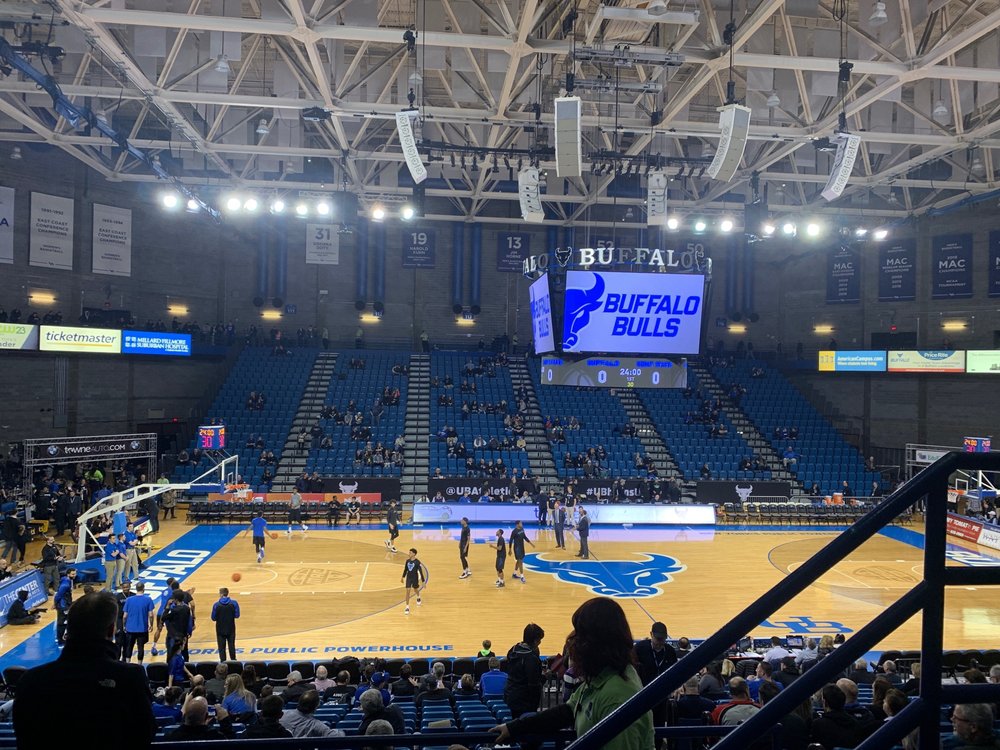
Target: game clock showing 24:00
(212, 437)
(618, 372)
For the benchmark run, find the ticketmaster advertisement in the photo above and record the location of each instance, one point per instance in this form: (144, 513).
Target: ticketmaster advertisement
(649, 313)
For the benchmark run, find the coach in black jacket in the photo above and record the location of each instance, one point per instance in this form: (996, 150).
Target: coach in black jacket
(653, 657)
(86, 697)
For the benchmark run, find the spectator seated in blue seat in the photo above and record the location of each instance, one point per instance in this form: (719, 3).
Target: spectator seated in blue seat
(170, 708)
(466, 687)
(374, 709)
(301, 722)
(689, 704)
(374, 680)
(268, 724)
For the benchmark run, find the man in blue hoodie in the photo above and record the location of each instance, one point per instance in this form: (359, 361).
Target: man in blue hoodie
(225, 613)
(62, 602)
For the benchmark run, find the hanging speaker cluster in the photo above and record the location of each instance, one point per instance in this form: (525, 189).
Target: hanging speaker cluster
(656, 199)
(529, 196)
(843, 164)
(734, 122)
(569, 156)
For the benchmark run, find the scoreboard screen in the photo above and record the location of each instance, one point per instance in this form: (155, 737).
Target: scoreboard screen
(212, 437)
(615, 372)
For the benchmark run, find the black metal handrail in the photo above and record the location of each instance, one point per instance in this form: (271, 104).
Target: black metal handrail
(928, 596)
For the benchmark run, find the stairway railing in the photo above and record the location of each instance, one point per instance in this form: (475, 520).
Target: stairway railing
(927, 597)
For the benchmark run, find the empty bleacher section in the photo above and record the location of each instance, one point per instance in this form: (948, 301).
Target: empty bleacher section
(281, 380)
(375, 392)
(600, 416)
(774, 405)
(684, 419)
(472, 415)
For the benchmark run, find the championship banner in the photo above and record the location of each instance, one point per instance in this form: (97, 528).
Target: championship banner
(897, 271)
(748, 491)
(512, 249)
(18, 336)
(475, 488)
(419, 248)
(386, 487)
(123, 447)
(50, 243)
(322, 245)
(112, 248)
(843, 276)
(6, 225)
(951, 266)
(993, 285)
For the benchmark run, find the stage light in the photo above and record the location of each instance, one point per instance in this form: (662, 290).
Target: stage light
(699, 226)
(812, 229)
(726, 225)
(233, 203)
(673, 222)
(878, 16)
(860, 232)
(880, 234)
(378, 213)
(192, 205)
(251, 205)
(788, 228)
(277, 206)
(301, 209)
(768, 229)
(169, 200)
(407, 212)
(323, 208)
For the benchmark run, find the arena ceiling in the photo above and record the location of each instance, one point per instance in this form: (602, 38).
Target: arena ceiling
(194, 81)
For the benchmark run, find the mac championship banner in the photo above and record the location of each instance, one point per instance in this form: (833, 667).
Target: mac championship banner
(112, 240)
(843, 276)
(994, 278)
(6, 225)
(50, 243)
(322, 245)
(951, 266)
(897, 271)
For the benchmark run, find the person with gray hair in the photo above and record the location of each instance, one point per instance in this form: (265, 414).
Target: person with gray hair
(994, 674)
(374, 709)
(378, 727)
(431, 689)
(690, 704)
(973, 725)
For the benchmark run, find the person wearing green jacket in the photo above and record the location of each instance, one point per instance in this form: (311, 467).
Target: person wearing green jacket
(602, 652)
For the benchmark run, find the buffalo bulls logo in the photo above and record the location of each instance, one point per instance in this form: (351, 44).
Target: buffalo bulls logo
(580, 303)
(348, 489)
(614, 578)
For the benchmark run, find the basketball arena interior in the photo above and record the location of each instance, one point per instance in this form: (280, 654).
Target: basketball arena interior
(375, 337)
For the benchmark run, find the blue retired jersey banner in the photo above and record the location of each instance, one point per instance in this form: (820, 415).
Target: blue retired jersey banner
(512, 249)
(897, 271)
(994, 282)
(419, 248)
(843, 276)
(951, 266)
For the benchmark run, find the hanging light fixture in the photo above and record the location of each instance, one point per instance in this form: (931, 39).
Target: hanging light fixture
(656, 7)
(15, 153)
(940, 109)
(977, 167)
(222, 64)
(262, 128)
(878, 16)
(773, 100)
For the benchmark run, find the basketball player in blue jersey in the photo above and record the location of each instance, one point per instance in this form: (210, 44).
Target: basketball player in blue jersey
(258, 525)
(413, 577)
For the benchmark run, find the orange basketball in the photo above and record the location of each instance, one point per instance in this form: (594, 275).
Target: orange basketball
(236, 576)
(274, 534)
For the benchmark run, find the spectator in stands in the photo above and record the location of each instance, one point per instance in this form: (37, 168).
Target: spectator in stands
(790, 457)
(322, 682)
(433, 689)
(374, 709)
(343, 691)
(197, 722)
(973, 727)
(89, 659)
(353, 508)
(705, 472)
(851, 703)
(689, 704)
(215, 687)
(251, 681)
(880, 688)
(711, 679)
(889, 668)
(523, 691)
(764, 674)
(381, 727)
(300, 721)
(974, 676)
(777, 652)
(494, 681)
(826, 646)
(237, 700)
(740, 708)
(466, 687)
(846, 490)
(912, 685)
(268, 725)
(653, 657)
(169, 708)
(406, 685)
(374, 680)
(808, 653)
(835, 728)
(794, 725)
(860, 675)
(788, 673)
(296, 687)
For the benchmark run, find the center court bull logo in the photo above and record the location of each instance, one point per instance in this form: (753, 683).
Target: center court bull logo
(614, 578)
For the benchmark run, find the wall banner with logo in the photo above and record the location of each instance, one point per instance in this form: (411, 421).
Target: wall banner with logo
(387, 487)
(897, 271)
(843, 276)
(994, 277)
(951, 266)
(6, 225)
(322, 245)
(112, 249)
(50, 243)
(748, 491)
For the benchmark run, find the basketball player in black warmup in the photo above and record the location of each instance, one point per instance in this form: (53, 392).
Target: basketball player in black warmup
(392, 517)
(413, 576)
(463, 548)
(517, 540)
(501, 548)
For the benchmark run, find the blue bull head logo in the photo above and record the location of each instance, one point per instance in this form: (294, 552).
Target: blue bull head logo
(615, 578)
(580, 303)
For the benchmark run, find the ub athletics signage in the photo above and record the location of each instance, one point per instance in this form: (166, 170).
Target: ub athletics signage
(692, 259)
